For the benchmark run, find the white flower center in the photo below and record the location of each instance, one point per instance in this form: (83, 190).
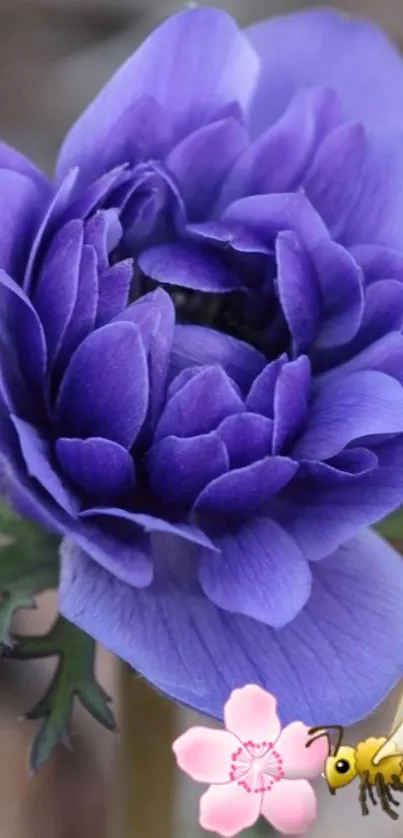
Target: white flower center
(256, 766)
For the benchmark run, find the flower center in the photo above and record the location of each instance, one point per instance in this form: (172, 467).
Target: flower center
(256, 767)
(253, 321)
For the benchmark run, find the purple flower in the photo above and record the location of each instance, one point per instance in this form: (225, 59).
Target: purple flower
(211, 469)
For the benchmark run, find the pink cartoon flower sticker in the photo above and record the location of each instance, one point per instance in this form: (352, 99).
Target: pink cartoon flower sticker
(254, 767)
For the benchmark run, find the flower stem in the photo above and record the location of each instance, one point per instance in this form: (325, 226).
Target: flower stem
(147, 766)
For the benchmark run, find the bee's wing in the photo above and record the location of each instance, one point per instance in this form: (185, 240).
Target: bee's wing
(392, 747)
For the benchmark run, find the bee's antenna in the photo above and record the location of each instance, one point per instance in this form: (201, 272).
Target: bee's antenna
(320, 736)
(323, 731)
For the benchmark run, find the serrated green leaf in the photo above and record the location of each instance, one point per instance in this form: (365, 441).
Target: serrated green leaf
(29, 564)
(74, 678)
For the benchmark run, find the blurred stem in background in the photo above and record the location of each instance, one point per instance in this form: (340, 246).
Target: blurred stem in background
(147, 775)
(399, 714)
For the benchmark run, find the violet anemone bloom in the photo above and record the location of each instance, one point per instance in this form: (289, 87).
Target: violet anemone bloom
(210, 433)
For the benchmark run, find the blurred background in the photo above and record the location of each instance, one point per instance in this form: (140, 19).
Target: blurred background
(54, 57)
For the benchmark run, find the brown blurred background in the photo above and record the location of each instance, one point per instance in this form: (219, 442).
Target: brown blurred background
(54, 56)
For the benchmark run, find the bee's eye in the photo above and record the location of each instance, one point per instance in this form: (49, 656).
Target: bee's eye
(342, 766)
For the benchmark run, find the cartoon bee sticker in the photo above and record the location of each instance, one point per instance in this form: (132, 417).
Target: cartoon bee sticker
(378, 762)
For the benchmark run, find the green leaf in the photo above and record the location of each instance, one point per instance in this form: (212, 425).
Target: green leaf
(392, 526)
(29, 564)
(74, 678)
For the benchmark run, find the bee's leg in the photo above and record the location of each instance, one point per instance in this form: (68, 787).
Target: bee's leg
(371, 793)
(364, 785)
(397, 783)
(380, 787)
(389, 795)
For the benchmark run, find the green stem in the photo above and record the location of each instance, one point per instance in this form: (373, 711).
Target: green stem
(147, 765)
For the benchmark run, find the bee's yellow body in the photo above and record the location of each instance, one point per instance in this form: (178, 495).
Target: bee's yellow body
(389, 767)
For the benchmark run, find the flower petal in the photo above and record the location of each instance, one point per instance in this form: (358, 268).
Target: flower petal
(197, 345)
(28, 339)
(277, 160)
(260, 398)
(114, 290)
(200, 405)
(228, 809)
(205, 754)
(382, 316)
(359, 196)
(260, 572)
(354, 57)
(178, 469)
(151, 524)
(291, 399)
(197, 653)
(143, 130)
(105, 388)
(21, 202)
(290, 806)
(341, 284)
(15, 391)
(188, 265)
(251, 714)
(384, 355)
(378, 262)
(243, 490)
(298, 290)
(13, 160)
(84, 202)
(322, 518)
(37, 454)
(119, 547)
(197, 167)
(103, 231)
(228, 235)
(171, 68)
(364, 404)
(298, 760)
(54, 212)
(82, 319)
(351, 464)
(103, 469)
(331, 182)
(154, 314)
(383, 313)
(56, 291)
(267, 215)
(247, 437)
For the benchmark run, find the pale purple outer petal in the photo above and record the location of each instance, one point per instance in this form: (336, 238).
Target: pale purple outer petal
(21, 203)
(198, 653)
(171, 68)
(331, 49)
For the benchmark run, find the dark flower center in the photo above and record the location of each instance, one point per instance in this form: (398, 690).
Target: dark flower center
(232, 315)
(252, 313)
(258, 322)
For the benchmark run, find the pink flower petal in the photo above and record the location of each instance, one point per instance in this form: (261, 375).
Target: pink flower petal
(298, 760)
(250, 713)
(228, 809)
(206, 755)
(290, 806)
